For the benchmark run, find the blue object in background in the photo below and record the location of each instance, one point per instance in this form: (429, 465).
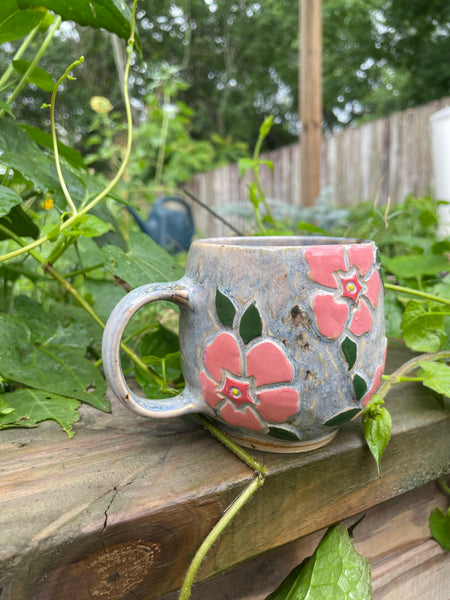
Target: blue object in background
(172, 229)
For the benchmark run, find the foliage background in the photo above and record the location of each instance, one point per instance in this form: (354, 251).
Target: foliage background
(239, 60)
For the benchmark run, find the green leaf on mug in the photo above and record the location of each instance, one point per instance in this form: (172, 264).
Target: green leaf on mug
(350, 350)
(251, 324)
(283, 434)
(360, 386)
(225, 309)
(342, 417)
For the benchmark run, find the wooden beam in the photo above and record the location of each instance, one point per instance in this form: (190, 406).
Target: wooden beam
(310, 94)
(119, 511)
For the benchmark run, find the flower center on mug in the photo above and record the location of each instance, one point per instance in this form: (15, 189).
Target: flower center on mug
(351, 287)
(237, 391)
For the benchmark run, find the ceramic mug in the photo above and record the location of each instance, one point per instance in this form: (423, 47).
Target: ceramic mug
(282, 338)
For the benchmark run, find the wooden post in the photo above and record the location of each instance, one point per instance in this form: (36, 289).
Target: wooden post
(310, 94)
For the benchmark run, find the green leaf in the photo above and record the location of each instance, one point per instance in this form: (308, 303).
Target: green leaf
(113, 15)
(46, 328)
(436, 376)
(22, 154)
(251, 324)
(145, 262)
(350, 350)
(160, 342)
(225, 309)
(360, 386)
(343, 417)
(16, 23)
(266, 163)
(54, 368)
(38, 77)
(246, 164)
(303, 226)
(8, 199)
(422, 330)
(334, 572)
(377, 424)
(19, 223)
(88, 226)
(416, 265)
(103, 294)
(31, 406)
(440, 527)
(44, 139)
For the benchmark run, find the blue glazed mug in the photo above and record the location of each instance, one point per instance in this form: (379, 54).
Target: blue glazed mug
(282, 338)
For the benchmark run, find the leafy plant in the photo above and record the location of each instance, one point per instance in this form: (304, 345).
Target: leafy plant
(64, 261)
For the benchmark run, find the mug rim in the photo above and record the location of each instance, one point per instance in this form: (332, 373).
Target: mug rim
(280, 241)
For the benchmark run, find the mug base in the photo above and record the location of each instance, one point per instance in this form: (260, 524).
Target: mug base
(278, 445)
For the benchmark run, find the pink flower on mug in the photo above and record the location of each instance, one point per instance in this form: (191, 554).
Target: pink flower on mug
(355, 284)
(248, 387)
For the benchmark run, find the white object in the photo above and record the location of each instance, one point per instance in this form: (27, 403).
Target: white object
(440, 148)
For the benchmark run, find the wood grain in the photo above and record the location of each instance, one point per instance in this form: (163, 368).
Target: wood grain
(119, 510)
(394, 535)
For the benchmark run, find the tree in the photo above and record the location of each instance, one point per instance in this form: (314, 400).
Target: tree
(240, 61)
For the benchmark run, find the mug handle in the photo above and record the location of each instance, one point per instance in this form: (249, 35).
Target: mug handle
(181, 404)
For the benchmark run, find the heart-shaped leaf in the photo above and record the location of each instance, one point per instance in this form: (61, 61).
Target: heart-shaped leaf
(440, 527)
(335, 571)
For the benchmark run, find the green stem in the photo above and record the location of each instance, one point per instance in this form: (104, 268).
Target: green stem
(412, 292)
(408, 366)
(17, 55)
(402, 379)
(71, 220)
(232, 510)
(34, 63)
(54, 138)
(235, 448)
(444, 486)
(259, 187)
(215, 533)
(84, 270)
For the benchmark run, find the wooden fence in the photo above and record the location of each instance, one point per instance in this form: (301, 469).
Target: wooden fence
(390, 157)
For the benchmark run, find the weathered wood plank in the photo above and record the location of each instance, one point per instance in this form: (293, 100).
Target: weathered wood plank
(393, 535)
(118, 511)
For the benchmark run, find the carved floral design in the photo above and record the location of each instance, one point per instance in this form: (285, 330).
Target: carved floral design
(354, 288)
(247, 383)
